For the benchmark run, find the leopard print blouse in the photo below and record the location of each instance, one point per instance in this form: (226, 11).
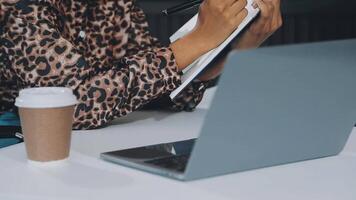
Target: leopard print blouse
(101, 49)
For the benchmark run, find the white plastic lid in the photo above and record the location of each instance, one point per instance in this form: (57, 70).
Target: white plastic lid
(45, 97)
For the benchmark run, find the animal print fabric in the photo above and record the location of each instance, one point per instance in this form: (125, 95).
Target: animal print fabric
(101, 49)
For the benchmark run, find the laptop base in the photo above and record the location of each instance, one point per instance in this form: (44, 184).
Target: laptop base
(168, 159)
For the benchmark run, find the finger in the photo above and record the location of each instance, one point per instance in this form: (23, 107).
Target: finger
(274, 14)
(228, 3)
(233, 2)
(276, 5)
(254, 5)
(277, 11)
(270, 9)
(275, 2)
(263, 23)
(222, 4)
(263, 8)
(238, 6)
(240, 17)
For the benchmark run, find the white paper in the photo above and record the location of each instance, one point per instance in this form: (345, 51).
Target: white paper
(193, 70)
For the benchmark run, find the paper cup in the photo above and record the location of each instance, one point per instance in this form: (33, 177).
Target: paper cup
(46, 118)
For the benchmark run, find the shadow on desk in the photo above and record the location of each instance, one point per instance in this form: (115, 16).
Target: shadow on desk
(153, 115)
(140, 116)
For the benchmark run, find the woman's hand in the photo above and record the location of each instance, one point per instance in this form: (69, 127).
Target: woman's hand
(217, 20)
(269, 21)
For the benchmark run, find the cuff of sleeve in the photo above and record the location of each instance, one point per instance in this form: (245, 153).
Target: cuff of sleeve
(169, 68)
(190, 98)
(158, 64)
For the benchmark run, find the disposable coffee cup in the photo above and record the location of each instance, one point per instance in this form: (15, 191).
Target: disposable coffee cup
(46, 116)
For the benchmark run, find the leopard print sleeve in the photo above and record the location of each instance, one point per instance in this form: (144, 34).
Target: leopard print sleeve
(115, 69)
(192, 95)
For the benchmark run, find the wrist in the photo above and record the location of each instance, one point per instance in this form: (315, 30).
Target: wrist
(199, 41)
(189, 48)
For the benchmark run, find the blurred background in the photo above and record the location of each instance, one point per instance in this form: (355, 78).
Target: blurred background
(304, 20)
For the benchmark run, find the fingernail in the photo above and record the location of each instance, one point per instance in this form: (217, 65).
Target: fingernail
(254, 5)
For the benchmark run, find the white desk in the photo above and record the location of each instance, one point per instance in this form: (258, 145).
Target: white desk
(85, 176)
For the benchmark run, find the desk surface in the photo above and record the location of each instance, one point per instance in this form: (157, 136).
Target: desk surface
(85, 176)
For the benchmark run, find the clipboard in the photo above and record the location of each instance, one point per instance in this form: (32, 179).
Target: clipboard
(194, 69)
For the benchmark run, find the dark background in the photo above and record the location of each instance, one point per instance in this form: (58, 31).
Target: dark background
(304, 20)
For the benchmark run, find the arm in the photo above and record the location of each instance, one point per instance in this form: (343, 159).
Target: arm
(216, 21)
(214, 15)
(42, 58)
(142, 42)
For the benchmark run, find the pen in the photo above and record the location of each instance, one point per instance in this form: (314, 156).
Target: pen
(10, 132)
(181, 7)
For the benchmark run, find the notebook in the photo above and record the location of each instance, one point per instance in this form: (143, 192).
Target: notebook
(194, 69)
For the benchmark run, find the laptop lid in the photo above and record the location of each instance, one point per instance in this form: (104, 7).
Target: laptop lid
(278, 105)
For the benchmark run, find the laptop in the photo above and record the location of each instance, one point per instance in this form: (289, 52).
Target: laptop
(273, 106)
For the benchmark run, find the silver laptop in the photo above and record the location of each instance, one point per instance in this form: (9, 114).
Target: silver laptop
(273, 106)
